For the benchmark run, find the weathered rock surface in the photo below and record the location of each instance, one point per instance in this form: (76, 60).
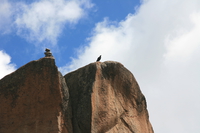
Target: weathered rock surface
(102, 98)
(34, 99)
(105, 98)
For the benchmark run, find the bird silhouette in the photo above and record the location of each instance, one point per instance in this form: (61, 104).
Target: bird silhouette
(99, 58)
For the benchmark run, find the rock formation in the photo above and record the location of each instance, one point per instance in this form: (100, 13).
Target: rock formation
(106, 98)
(34, 99)
(97, 98)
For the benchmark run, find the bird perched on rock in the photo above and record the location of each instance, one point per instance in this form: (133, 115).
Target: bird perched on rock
(99, 58)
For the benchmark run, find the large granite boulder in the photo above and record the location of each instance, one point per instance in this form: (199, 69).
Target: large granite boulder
(106, 98)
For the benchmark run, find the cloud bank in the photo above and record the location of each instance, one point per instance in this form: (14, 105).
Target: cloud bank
(45, 19)
(5, 66)
(42, 20)
(160, 44)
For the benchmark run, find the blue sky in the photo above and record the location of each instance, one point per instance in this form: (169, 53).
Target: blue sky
(158, 41)
(71, 36)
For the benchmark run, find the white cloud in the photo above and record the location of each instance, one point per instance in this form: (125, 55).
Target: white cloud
(184, 45)
(5, 66)
(44, 20)
(5, 16)
(160, 45)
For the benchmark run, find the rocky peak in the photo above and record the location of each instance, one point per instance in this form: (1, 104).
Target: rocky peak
(33, 99)
(102, 97)
(106, 98)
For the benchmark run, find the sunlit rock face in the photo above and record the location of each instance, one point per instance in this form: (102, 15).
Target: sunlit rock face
(106, 98)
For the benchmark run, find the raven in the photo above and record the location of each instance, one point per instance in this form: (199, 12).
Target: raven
(99, 58)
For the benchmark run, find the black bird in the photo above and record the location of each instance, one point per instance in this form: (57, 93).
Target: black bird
(99, 58)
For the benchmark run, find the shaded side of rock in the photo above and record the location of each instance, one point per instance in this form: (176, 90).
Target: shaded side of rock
(34, 99)
(80, 84)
